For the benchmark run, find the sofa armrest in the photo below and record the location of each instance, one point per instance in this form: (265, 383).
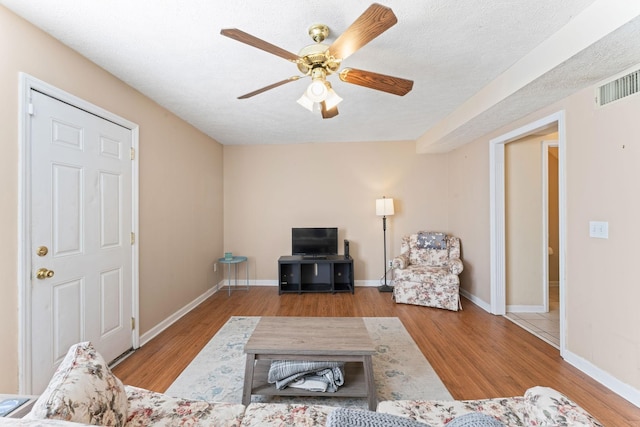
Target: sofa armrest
(455, 266)
(401, 261)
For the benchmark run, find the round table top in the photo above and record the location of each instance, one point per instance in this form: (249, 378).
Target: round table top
(234, 260)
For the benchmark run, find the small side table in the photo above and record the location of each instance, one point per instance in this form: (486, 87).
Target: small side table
(235, 261)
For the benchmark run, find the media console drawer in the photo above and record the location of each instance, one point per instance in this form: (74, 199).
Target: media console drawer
(297, 274)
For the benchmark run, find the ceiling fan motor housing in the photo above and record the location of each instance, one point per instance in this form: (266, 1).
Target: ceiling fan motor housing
(315, 55)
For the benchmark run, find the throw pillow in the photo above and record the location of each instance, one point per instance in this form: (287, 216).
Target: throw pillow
(548, 407)
(349, 417)
(83, 390)
(432, 240)
(474, 419)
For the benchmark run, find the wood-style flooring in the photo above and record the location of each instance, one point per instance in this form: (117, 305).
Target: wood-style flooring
(476, 354)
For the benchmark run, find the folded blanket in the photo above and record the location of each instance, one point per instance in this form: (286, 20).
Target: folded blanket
(283, 372)
(311, 383)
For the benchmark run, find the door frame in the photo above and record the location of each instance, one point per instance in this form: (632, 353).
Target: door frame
(28, 83)
(497, 211)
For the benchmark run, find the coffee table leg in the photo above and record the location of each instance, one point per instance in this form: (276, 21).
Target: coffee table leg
(372, 397)
(248, 379)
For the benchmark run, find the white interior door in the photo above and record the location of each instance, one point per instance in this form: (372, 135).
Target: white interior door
(81, 228)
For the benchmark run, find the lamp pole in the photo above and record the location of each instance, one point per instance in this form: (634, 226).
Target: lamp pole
(384, 207)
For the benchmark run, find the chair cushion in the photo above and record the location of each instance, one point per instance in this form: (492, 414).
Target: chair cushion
(83, 390)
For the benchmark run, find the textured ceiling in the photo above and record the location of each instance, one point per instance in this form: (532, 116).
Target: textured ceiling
(172, 51)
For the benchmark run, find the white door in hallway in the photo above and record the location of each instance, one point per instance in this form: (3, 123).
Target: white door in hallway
(80, 235)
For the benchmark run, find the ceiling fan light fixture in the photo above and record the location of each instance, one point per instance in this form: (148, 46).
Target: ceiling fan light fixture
(306, 102)
(332, 98)
(317, 90)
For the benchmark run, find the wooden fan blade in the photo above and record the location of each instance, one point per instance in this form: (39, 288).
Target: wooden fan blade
(266, 88)
(327, 114)
(374, 21)
(247, 38)
(389, 84)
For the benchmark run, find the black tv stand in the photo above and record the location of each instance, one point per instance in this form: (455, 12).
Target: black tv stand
(326, 273)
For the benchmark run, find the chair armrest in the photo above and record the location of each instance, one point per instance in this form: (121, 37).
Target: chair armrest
(455, 266)
(401, 261)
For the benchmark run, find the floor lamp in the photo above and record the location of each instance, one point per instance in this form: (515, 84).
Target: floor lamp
(384, 207)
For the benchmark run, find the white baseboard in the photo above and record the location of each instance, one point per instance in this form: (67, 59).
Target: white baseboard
(622, 389)
(525, 309)
(477, 301)
(153, 332)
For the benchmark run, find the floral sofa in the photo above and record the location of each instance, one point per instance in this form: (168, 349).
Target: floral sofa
(83, 391)
(426, 271)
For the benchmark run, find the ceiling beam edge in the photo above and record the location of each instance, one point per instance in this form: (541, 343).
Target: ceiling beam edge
(594, 23)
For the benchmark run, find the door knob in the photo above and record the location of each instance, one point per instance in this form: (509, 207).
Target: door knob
(43, 273)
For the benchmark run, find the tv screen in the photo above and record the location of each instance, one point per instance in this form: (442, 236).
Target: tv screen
(314, 241)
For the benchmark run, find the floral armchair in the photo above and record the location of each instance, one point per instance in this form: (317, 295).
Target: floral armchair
(426, 271)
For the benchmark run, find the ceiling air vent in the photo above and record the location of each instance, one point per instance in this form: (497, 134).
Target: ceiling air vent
(619, 88)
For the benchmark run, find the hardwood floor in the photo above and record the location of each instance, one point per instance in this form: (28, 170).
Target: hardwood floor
(477, 355)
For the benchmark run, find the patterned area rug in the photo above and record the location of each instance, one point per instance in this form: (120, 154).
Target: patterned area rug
(400, 370)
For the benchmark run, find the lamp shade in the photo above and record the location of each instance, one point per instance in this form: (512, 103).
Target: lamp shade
(306, 102)
(384, 207)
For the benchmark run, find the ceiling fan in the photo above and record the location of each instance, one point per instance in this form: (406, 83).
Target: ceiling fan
(319, 60)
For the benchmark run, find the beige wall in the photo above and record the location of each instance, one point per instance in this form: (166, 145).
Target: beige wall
(602, 184)
(180, 183)
(468, 215)
(554, 215)
(268, 189)
(523, 222)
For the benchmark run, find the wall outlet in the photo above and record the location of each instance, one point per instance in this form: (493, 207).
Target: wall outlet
(390, 263)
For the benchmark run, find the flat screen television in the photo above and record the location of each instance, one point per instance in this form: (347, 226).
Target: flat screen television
(314, 241)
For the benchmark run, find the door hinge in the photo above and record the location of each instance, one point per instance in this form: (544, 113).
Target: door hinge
(133, 323)
(133, 238)
(30, 110)
(133, 153)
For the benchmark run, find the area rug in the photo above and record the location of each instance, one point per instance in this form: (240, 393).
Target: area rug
(216, 374)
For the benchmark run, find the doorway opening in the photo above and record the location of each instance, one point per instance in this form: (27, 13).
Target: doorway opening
(533, 301)
(500, 287)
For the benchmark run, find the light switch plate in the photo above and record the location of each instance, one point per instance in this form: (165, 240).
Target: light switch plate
(599, 229)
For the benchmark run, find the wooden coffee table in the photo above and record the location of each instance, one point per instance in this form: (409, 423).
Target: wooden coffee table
(339, 339)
